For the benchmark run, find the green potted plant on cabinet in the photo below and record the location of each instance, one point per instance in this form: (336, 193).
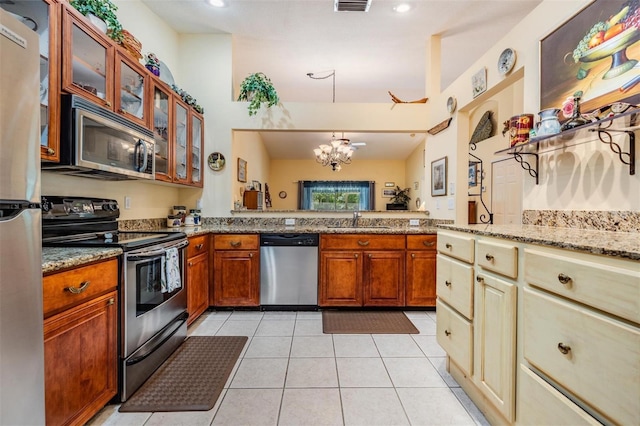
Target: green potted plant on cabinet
(400, 200)
(104, 10)
(257, 89)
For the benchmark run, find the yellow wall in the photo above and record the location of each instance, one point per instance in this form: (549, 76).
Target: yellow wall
(249, 147)
(415, 177)
(285, 174)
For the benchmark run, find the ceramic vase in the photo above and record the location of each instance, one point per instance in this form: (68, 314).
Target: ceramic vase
(154, 69)
(549, 123)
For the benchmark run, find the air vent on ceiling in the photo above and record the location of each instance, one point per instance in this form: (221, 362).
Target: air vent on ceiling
(351, 5)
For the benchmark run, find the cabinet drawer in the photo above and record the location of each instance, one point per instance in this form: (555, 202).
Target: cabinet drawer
(540, 404)
(422, 242)
(592, 356)
(456, 245)
(236, 241)
(455, 334)
(607, 284)
(362, 242)
(197, 245)
(498, 257)
(454, 284)
(77, 285)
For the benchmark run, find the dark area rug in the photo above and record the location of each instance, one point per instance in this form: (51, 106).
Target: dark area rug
(367, 322)
(192, 378)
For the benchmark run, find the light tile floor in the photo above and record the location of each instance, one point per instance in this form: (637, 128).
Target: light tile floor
(290, 373)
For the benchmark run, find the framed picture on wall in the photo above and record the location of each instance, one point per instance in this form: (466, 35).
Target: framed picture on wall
(473, 171)
(439, 177)
(595, 52)
(242, 170)
(479, 82)
(388, 193)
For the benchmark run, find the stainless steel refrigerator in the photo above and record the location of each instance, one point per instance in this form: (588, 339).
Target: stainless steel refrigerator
(21, 338)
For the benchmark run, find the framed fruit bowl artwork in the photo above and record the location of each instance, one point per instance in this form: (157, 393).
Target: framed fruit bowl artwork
(596, 53)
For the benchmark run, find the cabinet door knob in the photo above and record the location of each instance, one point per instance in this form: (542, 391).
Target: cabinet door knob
(111, 301)
(449, 246)
(199, 246)
(108, 103)
(564, 279)
(355, 255)
(564, 349)
(479, 279)
(250, 254)
(429, 243)
(447, 333)
(50, 151)
(488, 257)
(190, 264)
(235, 243)
(78, 290)
(370, 255)
(122, 111)
(363, 243)
(447, 283)
(413, 255)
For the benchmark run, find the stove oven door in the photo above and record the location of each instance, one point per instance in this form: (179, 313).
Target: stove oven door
(154, 313)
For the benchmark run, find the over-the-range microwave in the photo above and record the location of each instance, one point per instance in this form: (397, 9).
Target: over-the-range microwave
(98, 143)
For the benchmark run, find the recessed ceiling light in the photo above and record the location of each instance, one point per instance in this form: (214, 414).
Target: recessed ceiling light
(402, 8)
(216, 3)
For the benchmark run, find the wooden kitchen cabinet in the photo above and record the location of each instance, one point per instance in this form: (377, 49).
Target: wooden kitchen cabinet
(80, 342)
(132, 89)
(236, 270)
(161, 112)
(362, 270)
(421, 270)
(197, 276)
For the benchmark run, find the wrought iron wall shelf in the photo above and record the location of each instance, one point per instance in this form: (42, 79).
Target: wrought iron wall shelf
(601, 130)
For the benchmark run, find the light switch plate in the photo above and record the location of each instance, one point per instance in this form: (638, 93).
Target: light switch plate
(289, 222)
(414, 222)
(451, 203)
(127, 203)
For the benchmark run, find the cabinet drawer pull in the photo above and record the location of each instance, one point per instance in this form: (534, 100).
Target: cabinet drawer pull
(111, 301)
(363, 243)
(564, 349)
(78, 290)
(50, 151)
(488, 257)
(355, 255)
(235, 243)
(413, 255)
(370, 255)
(199, 246)
(447, 333)
(449, 246)
(447, 283)
(479, 279)
(564, 279)
(250, 254)
(429, 243)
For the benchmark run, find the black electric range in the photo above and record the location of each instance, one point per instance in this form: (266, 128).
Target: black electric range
(92, 222)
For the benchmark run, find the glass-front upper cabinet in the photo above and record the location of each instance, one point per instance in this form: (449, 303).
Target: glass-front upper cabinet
(87, 59)
(161, 112)
(42, 16)
(197, 143)
(132, 83)
(181, 142)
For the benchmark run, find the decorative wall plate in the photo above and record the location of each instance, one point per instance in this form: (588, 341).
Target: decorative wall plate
(282, 194)
(216, 161)
(506, 61)
(451, 104)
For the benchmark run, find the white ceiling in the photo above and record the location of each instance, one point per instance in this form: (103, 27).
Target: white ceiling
(371, 52)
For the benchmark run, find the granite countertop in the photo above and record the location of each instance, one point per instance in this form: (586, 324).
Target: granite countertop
(616, 244)
(58, 258)
(322, 229)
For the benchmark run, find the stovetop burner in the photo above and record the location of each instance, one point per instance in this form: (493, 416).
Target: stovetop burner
(92, 222)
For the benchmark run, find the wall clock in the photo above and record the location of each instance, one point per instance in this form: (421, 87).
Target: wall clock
(506, 61)
(282, 194)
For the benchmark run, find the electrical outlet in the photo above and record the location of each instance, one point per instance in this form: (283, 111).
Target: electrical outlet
(484, 188)
(127, 202)
(414, 222)
(289, 222)
(451, 203)
(452, 188)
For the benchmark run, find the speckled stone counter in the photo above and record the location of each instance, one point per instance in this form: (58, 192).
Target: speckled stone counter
(58, 258)
(617, 244)
(252, 229)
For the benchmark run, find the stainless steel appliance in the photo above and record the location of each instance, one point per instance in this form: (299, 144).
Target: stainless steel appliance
(153, 317)
(98, 143)
(289, 271)
(21, 334)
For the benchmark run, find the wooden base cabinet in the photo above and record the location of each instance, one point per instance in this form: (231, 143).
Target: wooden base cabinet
(362, 270)
(421, 270)
(236, 270)
(80, 351)
(197, 276)
(80, 342)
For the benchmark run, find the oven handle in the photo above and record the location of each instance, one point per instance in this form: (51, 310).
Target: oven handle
(153, 253)
(171, 329)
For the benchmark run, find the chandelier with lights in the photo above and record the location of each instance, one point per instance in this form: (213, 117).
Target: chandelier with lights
(338, 151)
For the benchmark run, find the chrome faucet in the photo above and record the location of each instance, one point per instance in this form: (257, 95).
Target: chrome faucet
(356, 216)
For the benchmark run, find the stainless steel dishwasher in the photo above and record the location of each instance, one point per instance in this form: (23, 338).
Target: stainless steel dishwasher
(289, 271)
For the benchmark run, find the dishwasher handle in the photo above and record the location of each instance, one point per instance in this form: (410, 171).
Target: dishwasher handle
(290, 240)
